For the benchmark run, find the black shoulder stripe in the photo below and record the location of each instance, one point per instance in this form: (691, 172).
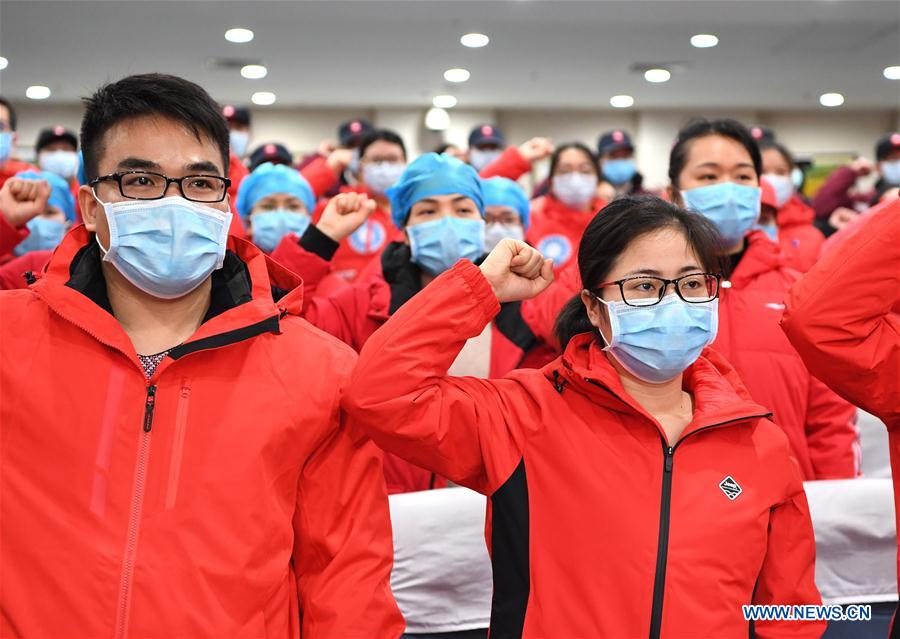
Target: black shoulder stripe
(511, 325)
(268, 325)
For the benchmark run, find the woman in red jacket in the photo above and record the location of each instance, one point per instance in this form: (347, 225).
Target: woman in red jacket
(559, 218)
(623, 475)
(800, 241)
(714, 168)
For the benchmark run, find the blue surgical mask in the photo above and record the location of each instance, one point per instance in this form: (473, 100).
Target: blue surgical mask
(619, 171)
(62, 163)
(891, 171)
(5, 146)
(239, 141)
(657, 343)
(380, 176)
(574, 189)
(44, 234)
(481, 159)
(166, 247)
(269, 227)
(733, 208)
(770, 229)
(438, 245)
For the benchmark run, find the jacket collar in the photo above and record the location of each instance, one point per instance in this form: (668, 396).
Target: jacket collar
(585, 367)
(795, 212)
(249, 295)
(761, 255)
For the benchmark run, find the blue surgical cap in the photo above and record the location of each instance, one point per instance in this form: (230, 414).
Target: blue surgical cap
(433, 174)
(60, 192)
(268, 179)
(501, 191)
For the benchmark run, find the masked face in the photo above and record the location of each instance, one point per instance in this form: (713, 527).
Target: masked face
(239, 141)
(653, 340)
(62, 163)
(481, 159)
(575, 190)
(436, 246)
(380, 176)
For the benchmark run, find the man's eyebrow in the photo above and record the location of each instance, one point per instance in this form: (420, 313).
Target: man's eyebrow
(137, 163)
(206, 167)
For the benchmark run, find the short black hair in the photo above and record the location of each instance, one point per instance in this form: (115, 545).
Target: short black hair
(150, 94)
(609, 234)
(13, 119)
(381, 134)
(764, 145)
(554, 159)
(701, 128)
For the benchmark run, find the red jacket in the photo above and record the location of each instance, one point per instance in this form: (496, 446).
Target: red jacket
(800, 241)
(556, 229)
(820, 425)
(599, 526)
(224, 497)
(21, 271)
(844, 319)
(355, 312)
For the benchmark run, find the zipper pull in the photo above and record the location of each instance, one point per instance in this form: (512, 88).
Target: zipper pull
(669, 457)
(148, 408)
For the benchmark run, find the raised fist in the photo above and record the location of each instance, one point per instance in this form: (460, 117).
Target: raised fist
(516, 271)
(536, 149)
(21, 200)
(345, 213)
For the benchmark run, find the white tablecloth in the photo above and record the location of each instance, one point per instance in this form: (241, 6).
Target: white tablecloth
(442, 574)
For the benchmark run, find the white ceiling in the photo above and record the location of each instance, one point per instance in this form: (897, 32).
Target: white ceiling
(543, 53)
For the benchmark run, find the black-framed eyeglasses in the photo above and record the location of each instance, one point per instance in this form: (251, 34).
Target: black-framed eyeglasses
(645, 290)
(146, 185)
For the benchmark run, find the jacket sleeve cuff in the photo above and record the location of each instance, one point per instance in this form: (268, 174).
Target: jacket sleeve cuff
(478, 288)
(316, 242)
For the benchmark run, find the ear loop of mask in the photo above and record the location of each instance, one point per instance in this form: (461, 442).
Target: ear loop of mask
(605, 344)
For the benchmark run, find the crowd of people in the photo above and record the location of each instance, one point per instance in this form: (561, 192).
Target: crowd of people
(225, 358)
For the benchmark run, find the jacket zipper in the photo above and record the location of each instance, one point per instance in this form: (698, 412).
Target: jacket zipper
(662, 552)
(134, 516)
(662, 549)
(665, 514)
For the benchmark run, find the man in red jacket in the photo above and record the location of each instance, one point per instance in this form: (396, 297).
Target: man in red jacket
(163, 477)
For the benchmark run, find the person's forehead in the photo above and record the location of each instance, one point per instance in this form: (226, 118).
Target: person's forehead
(665, 248)
(160, 140)
(713, 148)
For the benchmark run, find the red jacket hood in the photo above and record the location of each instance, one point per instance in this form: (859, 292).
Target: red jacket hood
(795, 212)
(719, 394)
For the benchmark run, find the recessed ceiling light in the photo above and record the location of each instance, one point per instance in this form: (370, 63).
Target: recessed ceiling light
(239, 35)
(621, 101)
(263, 98)
(444, 101)
(254, 71)
(704, 40)
(3, 63)
(437, 119)
(456, 75)
(37, 92)
(891, 73)
(657, 75)
(831, 99)
(474, 40)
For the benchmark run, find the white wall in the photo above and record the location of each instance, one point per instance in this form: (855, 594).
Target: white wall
(301, 129)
